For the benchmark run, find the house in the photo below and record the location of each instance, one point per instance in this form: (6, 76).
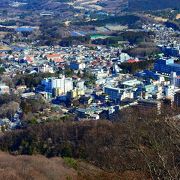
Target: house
(74, 65)
(4, 89)
(85, 100)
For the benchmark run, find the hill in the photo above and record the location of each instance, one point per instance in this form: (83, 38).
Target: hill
(148, 146)
(144, 5)
(113, 6)
(34, 167)
(41, 168)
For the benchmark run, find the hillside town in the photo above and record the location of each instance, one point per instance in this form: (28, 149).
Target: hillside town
(90, 89)
(89, 82)
(86, 70)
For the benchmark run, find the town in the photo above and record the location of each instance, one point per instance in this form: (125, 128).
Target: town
(87, 82)
(90, 89)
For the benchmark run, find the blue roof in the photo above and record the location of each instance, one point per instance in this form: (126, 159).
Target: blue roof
(174, 65)
(24, 29)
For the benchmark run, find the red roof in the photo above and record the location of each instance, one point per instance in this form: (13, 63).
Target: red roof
(2, 54)
(29, 58)
(58, 60)
(132, 60)
(52, 56)
(94, 62)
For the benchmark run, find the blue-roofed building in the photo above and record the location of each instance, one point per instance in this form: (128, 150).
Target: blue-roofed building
(170, 51)
(147, 74)
(150, 88)
(167, 66)
(113, 93)
(24, 29)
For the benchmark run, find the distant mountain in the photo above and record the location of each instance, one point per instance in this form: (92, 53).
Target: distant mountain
(113, 6)
(144, 5)
(109, 5)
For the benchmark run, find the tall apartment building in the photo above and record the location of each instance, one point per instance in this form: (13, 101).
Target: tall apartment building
(177, 99)
(59, 85)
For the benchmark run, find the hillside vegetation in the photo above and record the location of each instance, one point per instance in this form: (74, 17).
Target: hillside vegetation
(39, 167)
(34, 167)
(149, 144)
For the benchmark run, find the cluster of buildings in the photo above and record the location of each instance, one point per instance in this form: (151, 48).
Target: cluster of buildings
(164, 36)
(114, 90)
(54, 87)
(89, 83)
(170, 50)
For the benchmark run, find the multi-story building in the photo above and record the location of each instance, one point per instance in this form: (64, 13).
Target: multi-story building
(169, 92)
(57, 85)
(149, 106)
(170, 51)
(177, 98)
(175, 80)
(118, 94)
(113, 93)
(167, 66)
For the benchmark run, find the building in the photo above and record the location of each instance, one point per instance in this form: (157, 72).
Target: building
(177, 98)
(21, 88)
(74, 65)
(149, 106)
(148, 91)
(75, 93)
(166, 66)
(131, 83)
(45, 68)
(118, 94)
(146, 74)
(4, 89)
(28, 95)
(170, 51)
(57, 85)
(169, 92)
(124, 57)
(113, 93)
(80, 85)
(175, 80)
(100, 73)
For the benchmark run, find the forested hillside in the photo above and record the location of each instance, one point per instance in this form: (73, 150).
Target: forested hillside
(148, 145)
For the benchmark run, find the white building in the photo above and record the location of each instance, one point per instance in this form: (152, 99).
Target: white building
(124, 57)
(46, 68)
(159, 92)
(80, 85)
(63, 84)
(118, 94)
(169, 92)
(4, 89)
(100, 73)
